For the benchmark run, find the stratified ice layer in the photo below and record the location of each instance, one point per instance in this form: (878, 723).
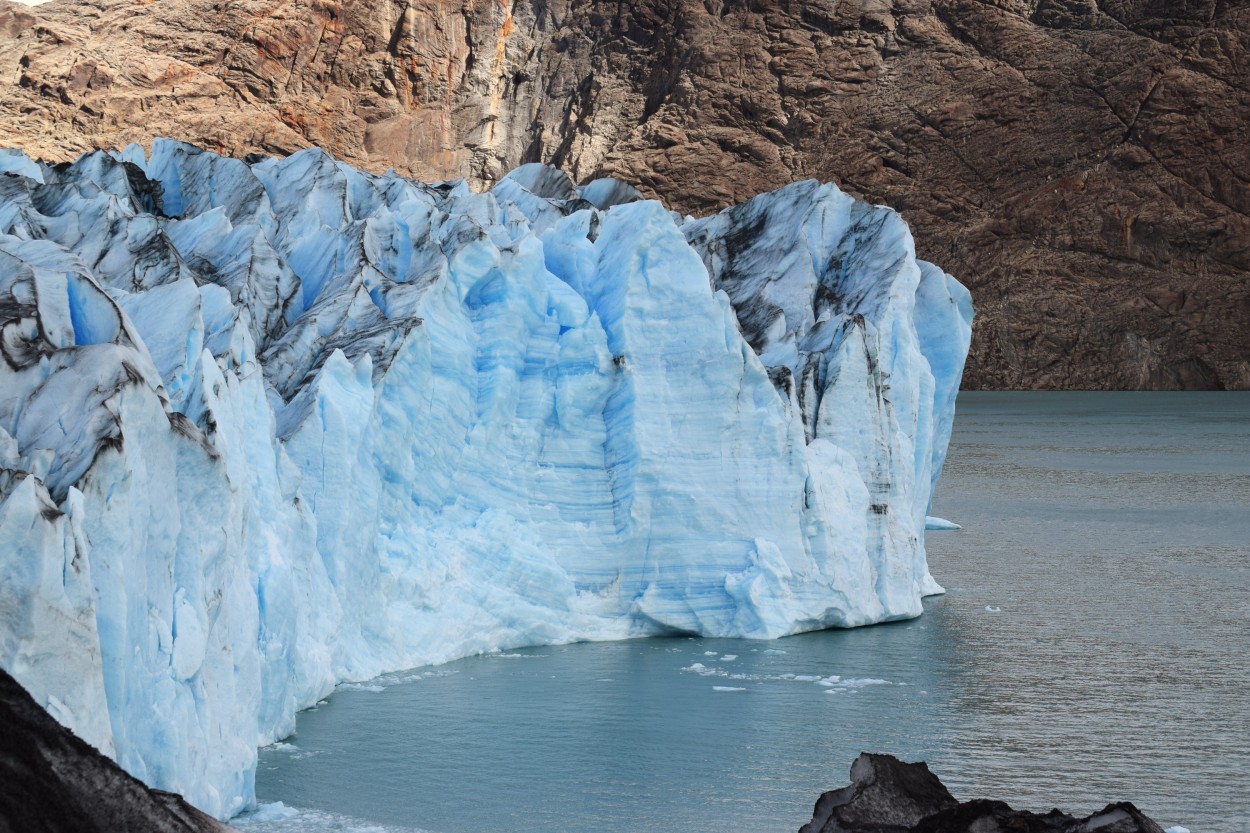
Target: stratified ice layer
(266, 426)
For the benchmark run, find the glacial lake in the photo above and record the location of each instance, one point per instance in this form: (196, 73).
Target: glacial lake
(1094, 645)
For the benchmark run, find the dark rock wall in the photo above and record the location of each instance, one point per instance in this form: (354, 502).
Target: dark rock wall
(1083, 165)
(53, 782)
(887, 795)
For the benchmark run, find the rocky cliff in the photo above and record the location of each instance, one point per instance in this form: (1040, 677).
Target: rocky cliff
(1084, 165)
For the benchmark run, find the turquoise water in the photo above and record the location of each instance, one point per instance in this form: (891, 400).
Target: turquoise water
(1092, 647)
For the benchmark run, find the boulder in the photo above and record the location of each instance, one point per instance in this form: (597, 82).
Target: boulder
(887, 795)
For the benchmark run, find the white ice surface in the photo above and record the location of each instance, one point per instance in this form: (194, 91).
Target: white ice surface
(267, 428)
(310, 821)
(277, 811)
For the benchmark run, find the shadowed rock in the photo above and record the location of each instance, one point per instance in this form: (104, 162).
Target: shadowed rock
(887, 795)
(53, 782)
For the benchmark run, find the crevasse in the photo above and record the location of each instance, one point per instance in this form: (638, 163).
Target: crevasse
(270, 425)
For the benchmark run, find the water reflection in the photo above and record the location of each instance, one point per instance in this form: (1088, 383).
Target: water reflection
(1112, 529)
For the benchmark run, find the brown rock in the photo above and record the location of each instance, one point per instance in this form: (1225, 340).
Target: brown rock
(1070, 160)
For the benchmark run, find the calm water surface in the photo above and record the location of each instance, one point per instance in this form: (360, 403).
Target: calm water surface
(1094, 645)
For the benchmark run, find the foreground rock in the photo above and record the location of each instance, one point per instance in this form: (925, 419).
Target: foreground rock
(887, 795)
(1084, 165)
(53, 781)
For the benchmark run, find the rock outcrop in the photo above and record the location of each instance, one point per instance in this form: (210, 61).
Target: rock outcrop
(56, 783)
(887, 795)
(1084, 165)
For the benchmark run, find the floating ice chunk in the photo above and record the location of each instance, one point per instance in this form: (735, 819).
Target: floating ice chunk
(312, 753)
(1176, 829)
(729, 657)
(277, 811)
(772, 652)
(727, 688)
(933, 524)
(709, 653)
(315, 821)
(992, 609)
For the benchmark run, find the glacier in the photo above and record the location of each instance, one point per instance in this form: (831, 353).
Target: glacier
(268, 425)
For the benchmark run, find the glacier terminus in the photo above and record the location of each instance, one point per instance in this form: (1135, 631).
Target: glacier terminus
(268, 425)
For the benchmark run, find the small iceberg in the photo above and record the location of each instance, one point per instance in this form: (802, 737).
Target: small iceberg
(933, 524)
(277, 811)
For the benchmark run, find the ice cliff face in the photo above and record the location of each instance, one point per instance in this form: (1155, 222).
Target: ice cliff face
(268, 425)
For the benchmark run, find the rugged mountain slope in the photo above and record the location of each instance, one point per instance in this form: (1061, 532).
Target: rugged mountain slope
(1083, 164)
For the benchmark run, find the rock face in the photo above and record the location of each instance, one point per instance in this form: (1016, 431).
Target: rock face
(54, 782)
(1082, 164)
(887, 795)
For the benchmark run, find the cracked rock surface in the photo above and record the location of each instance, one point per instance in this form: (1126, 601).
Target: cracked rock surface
(887, 795)
(56, 782)
(1084, 165)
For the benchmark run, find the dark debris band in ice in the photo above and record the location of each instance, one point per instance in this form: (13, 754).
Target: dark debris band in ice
(270, 425)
